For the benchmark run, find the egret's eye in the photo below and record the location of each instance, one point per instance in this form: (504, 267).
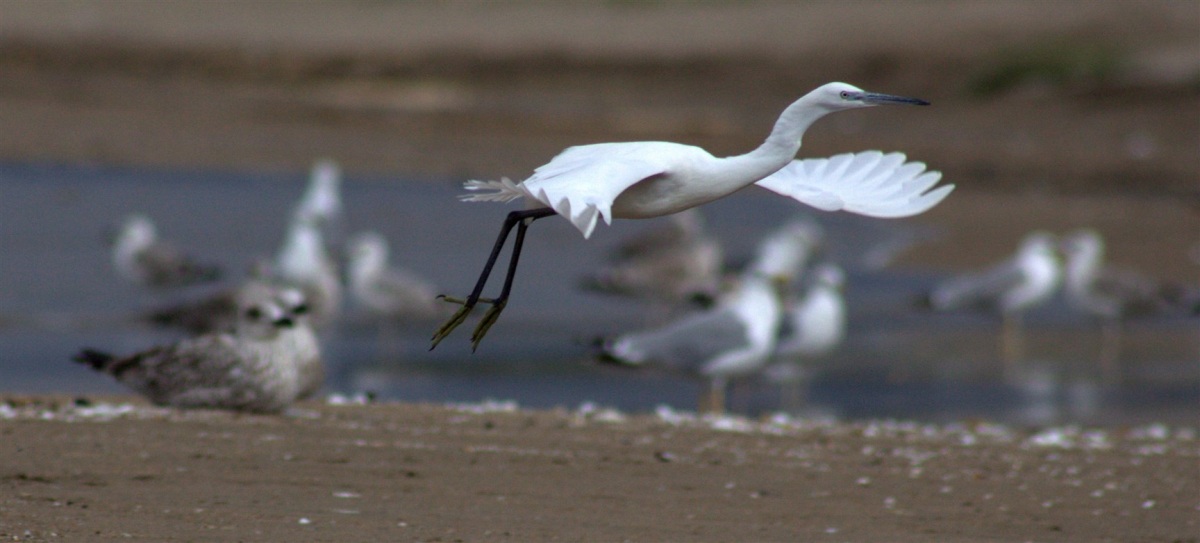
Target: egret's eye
(845, 95)
(254, 313)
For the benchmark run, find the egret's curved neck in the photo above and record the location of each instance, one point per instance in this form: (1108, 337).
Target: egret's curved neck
(784, 141)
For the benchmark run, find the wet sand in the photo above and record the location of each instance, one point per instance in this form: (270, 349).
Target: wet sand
(398, 472)
(451, 91)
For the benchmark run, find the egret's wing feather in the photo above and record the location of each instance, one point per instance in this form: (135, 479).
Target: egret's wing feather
(868, 183)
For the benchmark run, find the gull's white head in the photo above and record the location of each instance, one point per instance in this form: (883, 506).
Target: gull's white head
(1084, 241)
(322, 201)
(367, 255)
(829, 275)
(137, 232)
(260, 316)
(294, 305)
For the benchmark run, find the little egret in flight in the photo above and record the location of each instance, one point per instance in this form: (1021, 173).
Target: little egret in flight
(639, 180)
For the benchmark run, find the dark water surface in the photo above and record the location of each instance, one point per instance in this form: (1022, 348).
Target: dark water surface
(58, 293)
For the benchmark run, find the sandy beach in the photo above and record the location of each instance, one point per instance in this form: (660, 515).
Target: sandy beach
(1046, 115)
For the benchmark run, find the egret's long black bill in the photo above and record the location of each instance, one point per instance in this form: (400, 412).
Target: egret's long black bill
(891, 99)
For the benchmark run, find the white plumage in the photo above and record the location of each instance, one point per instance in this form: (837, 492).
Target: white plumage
(640, 180)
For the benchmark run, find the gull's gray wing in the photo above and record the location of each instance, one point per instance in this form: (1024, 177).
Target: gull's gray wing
(688, 344)
(980, 290)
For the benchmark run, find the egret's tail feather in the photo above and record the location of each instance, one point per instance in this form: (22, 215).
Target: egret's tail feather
(504, 190)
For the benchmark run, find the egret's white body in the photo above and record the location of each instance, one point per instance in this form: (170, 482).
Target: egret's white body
(141, 257)
(270, 360)
(386, 291)
(639, 180)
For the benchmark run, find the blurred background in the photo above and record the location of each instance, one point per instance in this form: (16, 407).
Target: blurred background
(207, 117)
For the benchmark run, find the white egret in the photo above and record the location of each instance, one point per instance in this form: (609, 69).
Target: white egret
(1109, 294)
(270, 360)
(140, 256)
(640, 180)
(1029, 278)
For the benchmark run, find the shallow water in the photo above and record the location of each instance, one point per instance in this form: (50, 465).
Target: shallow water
(59, 293)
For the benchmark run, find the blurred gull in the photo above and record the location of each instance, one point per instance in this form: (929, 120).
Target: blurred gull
(270, 360)
(304, 262)
(1011, 287)
(672, 264)
(321, 203)
(387, 292)
(141, 257)
(737, 336)
(787, 250)
(1109, 294)
(732, 339)
(814, 323)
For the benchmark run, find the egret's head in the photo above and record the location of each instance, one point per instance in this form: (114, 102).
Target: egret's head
(838, 96)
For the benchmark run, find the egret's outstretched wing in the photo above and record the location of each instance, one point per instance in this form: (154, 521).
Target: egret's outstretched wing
(582, 182)
(868, 183)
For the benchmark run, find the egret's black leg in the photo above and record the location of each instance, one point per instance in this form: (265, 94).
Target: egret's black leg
(515, 218)
(500, 301)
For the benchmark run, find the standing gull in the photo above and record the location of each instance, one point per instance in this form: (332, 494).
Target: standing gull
(270, 360)
(141, 257)
(1011, 287)
(732, 339)
(304, 262)
(388, 292)
(1108, 294)
(737, 336)
(640, 180)
(814, 323)
(322, 200)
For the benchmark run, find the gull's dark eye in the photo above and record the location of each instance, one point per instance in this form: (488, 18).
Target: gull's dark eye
(254, 313)
(300, 309)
